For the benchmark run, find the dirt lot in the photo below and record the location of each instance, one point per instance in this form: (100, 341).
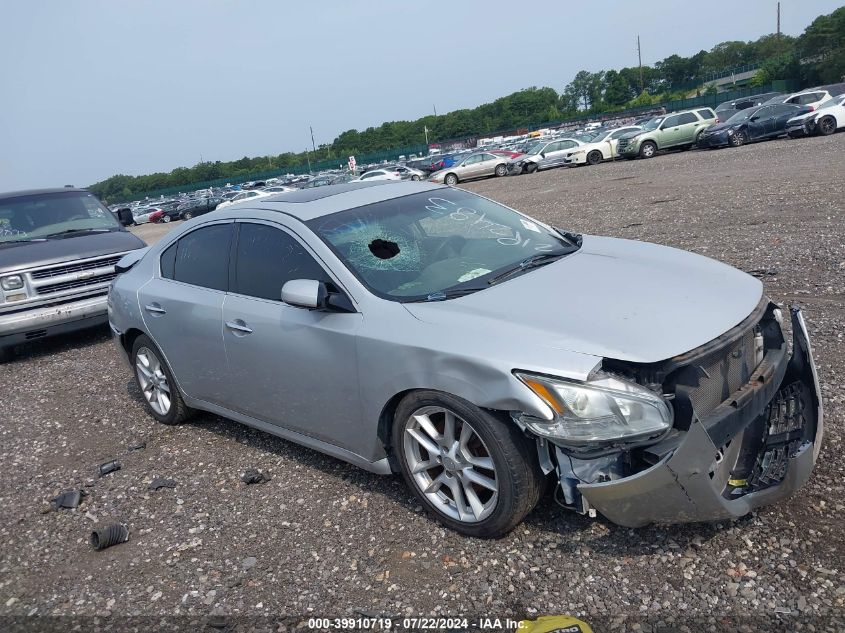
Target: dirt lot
(324, 538)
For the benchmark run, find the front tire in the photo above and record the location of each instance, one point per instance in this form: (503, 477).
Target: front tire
(415, 178)
(165, 219)
(594, 157)
(187, 215)
(155, 380)
(826, 126)
(648, 149)
(451, 180)
(474, 471)
(738, 139)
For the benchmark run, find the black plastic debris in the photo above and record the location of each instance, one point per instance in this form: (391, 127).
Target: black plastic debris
(384, 249)
(109, 467)
(137, 447)
(763, 272)
(68, 499)
(253, 476)
(160, 482)
(109, 535)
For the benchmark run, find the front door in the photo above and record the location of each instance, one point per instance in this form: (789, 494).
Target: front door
(288, 366)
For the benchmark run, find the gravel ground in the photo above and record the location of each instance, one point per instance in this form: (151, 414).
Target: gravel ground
(324, 538)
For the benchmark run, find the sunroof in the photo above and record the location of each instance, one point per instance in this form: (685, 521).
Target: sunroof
(318, 193)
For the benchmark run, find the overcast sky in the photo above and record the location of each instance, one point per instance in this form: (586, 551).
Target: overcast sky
(89, 89)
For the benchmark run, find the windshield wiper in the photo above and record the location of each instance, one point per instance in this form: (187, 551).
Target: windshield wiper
(451, 293)
(24, 241)
(72, 231)
(535, 261)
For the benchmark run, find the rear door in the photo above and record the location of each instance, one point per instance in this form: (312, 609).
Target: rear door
(182, 308)
(288, 366)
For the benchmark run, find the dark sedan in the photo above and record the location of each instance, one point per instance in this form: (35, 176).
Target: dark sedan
(751, 124)
(197, 206)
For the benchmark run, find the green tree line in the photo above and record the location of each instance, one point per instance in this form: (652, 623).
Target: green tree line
(817, 56)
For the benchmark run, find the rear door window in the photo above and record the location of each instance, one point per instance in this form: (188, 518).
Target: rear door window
(202, 257)
(687, 117)
(267, 258)
(707, 114)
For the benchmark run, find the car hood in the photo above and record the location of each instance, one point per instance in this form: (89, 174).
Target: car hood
(720, 127)
(54, 251)
(614, 298)
(634, 134)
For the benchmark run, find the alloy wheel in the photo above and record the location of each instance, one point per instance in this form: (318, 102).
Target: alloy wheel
(153, 381)
(827, 125)
(450, 464)
(451, 180)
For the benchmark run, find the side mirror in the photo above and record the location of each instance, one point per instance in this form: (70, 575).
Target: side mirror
(754, 118)
(305, 293)
(124, 216)
(542, 154)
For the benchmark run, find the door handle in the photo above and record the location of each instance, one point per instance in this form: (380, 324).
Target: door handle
(155, 308)
(239, 326)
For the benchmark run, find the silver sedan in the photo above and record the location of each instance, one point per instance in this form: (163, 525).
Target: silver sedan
(424, 330)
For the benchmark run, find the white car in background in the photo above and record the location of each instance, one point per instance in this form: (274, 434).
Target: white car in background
(244, 195)
(380, 174)
(829, 117)
(141, 215)
(811, 98)
(601, 147)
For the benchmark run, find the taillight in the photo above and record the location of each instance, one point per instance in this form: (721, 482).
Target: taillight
(812, 108)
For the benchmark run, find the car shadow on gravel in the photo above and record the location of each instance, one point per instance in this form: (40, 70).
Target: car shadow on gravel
(39, 348)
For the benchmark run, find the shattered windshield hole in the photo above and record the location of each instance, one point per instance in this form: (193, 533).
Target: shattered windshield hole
(384, 249)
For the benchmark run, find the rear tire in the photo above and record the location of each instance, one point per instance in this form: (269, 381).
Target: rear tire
(594, 157)
(156, 383)
(187, 215)
(648, 149)
(501, 170)
(477, 449)
(826, 126)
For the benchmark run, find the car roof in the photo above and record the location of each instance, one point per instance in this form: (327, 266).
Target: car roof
(307, 204)
(38, 192)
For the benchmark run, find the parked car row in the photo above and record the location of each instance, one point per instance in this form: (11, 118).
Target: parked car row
(730, 124)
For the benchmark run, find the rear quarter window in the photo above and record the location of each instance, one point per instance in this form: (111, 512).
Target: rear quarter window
(686, 117)
(707, 114)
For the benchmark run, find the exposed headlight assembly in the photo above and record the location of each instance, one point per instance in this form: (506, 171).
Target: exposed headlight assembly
(603, 410)
(730, 132)
(11, 282)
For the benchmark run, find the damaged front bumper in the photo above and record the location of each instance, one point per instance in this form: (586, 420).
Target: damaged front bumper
(757, 447)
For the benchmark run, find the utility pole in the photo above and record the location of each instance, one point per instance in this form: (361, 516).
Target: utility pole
(308, 158)
(778, 20)
(435, 110)
(425, 127)
(640, 59)
(314, 147)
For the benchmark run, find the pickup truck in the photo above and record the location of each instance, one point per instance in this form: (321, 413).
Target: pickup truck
(58, 250)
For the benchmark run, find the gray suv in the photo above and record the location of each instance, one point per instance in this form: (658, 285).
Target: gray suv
(58, 250)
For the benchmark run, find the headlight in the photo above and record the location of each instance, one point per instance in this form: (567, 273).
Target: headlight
(11, 282)
(730, 132)
(580, 151)
(601, 410)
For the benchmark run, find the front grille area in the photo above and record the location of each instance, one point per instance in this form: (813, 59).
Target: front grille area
(78, 283)
(65, 269)
(723, 372)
